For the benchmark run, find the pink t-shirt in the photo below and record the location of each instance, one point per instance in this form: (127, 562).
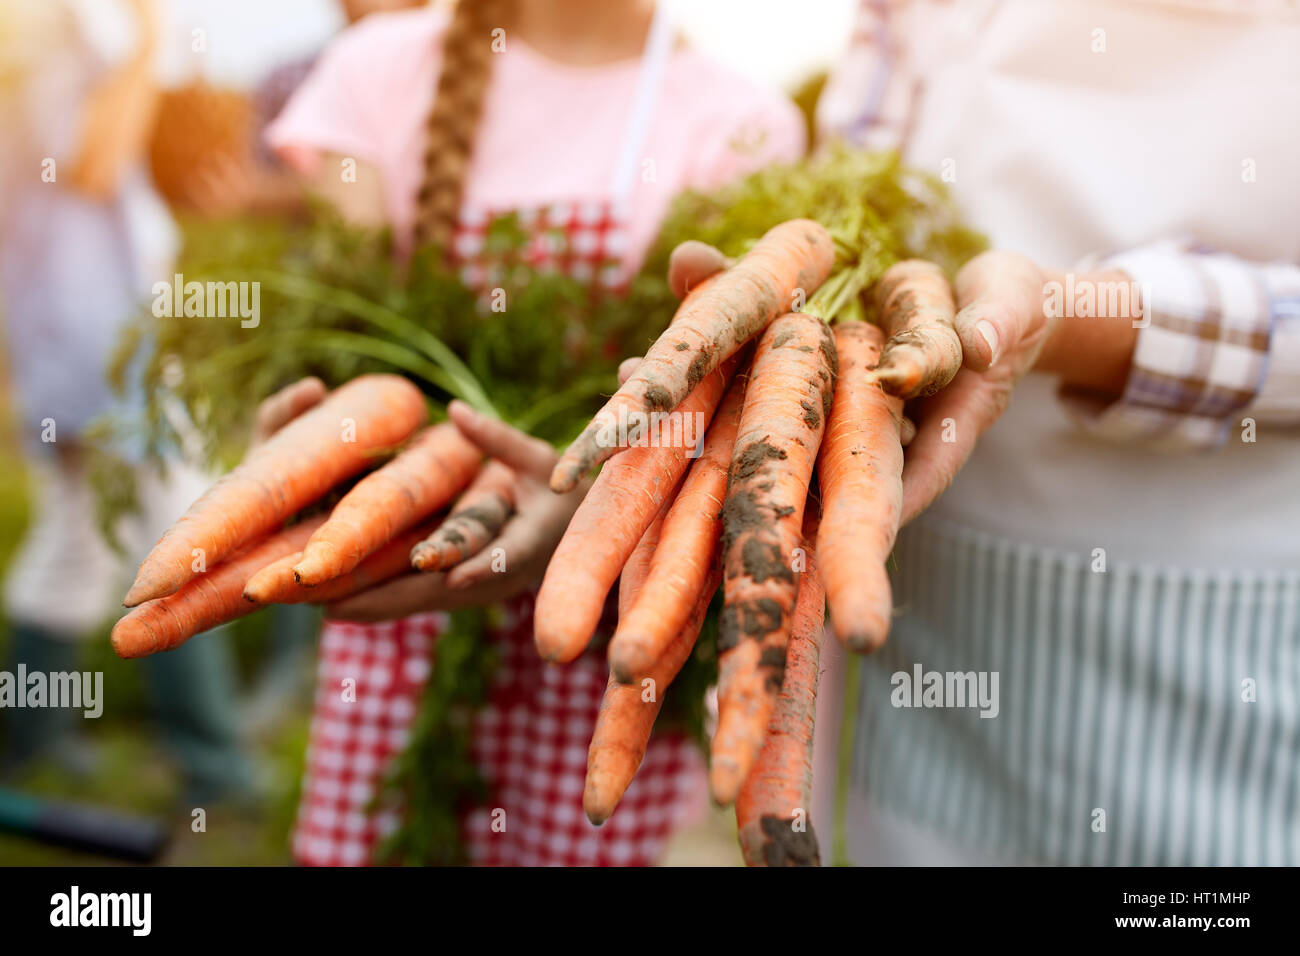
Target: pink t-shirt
(550, 133)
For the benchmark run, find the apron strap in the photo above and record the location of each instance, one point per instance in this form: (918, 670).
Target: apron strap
(658, 49)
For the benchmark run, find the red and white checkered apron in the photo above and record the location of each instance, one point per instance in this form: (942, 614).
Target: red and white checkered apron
(531, 738)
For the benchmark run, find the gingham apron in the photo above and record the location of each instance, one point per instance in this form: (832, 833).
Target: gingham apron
(531, 738)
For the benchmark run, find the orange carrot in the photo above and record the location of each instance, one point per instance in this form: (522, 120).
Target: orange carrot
(275, 583)
(681, 565)
(781, 426)
(477, 518)
(923, 352)
(628, 712)
(301, 462)
(774, 803)
(630, 491)
(711, 325)
(428, 473)
(860, 469)
(215, 598)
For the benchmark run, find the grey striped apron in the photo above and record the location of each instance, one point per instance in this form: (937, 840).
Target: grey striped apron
(1127, 691)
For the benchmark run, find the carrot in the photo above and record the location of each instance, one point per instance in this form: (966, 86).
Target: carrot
(781, 426)
(860, 469)
(683, 562)
(923, 352)
(773, 806)
(275, 583)
(477, 518)
(301, 462)
(427, 474)
(711, 325)
(630, 491)
(628, 712)
(215, 598)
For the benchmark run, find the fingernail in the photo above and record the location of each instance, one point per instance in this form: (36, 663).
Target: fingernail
(990, 335)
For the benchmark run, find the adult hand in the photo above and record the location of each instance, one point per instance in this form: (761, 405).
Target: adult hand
(1007, 329)
(510, 564)
(1003, 327)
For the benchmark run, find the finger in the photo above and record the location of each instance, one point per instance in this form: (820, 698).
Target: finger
(400, 597)
(516, 548)
(691, 263)
(906, 431)
(954, 420)
(998, 296)
(287, 404)
(627, 367)
(508, 445)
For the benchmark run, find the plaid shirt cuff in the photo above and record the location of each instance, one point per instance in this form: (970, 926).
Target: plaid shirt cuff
(1200, 361)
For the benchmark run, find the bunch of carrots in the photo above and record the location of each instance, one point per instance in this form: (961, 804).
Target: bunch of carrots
(769, 354)
(788, 397)
(231, 553)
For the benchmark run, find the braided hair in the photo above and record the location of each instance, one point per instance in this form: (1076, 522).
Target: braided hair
(454, 118)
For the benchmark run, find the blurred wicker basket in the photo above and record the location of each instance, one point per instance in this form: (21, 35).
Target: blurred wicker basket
(195, 123)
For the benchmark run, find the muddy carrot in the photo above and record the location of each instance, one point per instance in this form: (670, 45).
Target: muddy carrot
(630, 491)
(215, 598)
(301, 462)
(275, 583)
(692, 524)
(711, 325)
(860, 469)
(772, 810)
(427, 474)
(476, 519)
(923, 352)
(788, 398)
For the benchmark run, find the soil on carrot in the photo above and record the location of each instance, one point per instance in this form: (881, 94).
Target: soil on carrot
(751, 619)
(755, 455)
(659, 399)
(787, 847)
(699, 367)
(810, 416)
(772, 660)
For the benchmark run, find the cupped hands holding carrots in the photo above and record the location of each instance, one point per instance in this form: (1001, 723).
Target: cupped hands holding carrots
(507, 565)
(527, 522)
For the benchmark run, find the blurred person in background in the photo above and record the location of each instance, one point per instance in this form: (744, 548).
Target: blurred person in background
(555, 110)
(1121, 544)
(82, 240)
(259, 183)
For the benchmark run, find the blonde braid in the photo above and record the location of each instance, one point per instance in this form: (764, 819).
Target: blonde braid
(454, 119)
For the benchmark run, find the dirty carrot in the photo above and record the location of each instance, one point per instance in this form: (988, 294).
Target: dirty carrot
(692, 524)
(275, 583)
(711, 325)
(630, 491)
(923, 351)
(773, 807)
(294, 468)
(215, 598)
(477, 518)
(427, 474)
(628, 712)
(786, 403)
(860, 469)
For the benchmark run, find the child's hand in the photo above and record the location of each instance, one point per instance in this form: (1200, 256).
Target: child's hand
(507, 566)
(278, 410)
